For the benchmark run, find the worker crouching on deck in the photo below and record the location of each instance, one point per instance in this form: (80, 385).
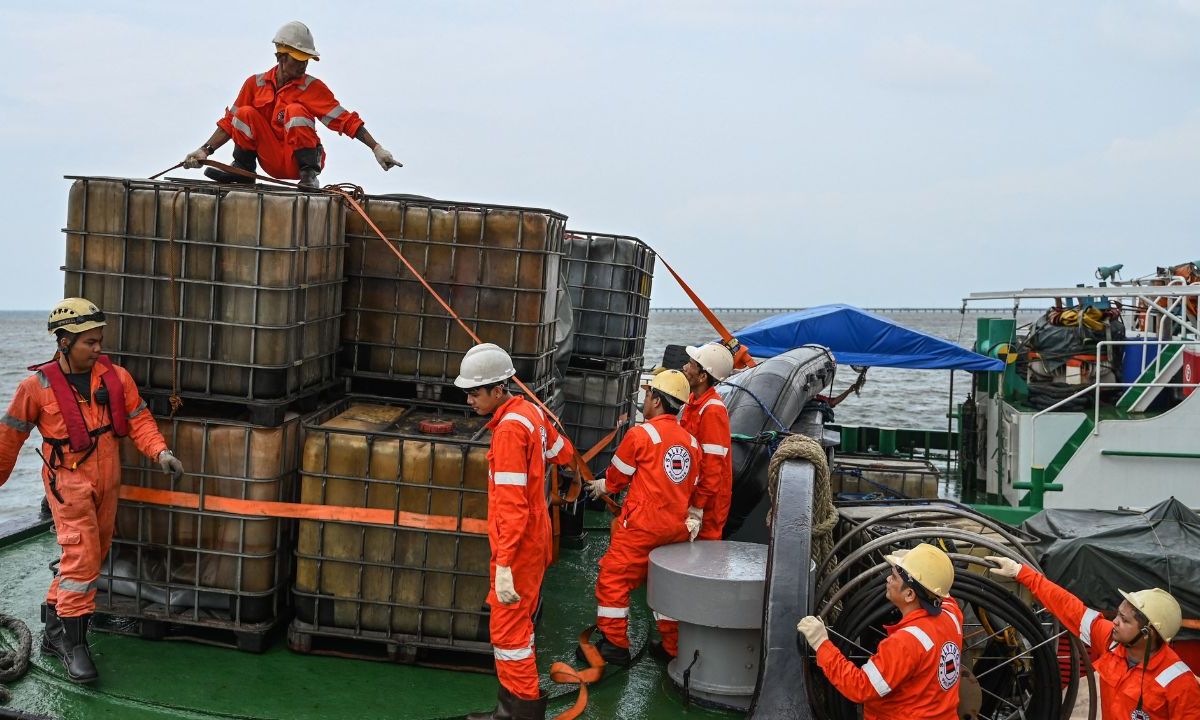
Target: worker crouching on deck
(706, 418)
(82, 404)
(914, 672)
(658, 460)
(274, 119)
(1141, 677)
(519, 530)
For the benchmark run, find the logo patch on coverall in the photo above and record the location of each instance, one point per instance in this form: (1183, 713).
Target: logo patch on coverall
(948, 668)
(677, 463)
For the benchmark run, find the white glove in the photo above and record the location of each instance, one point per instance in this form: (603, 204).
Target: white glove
(813, 630)
(170, 464)
(596, 487)
(194, 158)
(694, 517)
(505, 592)
(1006, 567)
(385, 159)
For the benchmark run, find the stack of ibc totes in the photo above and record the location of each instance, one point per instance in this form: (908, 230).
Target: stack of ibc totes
(229, 299)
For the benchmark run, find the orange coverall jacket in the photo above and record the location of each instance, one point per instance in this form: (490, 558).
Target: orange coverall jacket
(277, 121)
(1169, 689)
(913, 673)
(707, 419)
(518, 516)
(85, 519)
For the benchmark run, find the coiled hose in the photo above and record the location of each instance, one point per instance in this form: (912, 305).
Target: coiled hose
(1011, 649)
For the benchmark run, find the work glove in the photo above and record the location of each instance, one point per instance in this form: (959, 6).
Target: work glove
(694, 517)
(1005, 567)
(194, 158)
(170, 464)
(813, 630)
(505, 592)
(596, 488)
(385, 159)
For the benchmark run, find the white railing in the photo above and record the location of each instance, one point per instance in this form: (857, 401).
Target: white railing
(1097, 386)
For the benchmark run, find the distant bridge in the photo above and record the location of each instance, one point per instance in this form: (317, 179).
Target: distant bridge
(931, 310)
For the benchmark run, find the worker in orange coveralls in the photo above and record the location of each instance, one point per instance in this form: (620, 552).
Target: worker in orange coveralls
(914, 672)
(658, 460)
(82, 404)
(706, 418)
(1141, 677)
(518, 523)
(274, 119)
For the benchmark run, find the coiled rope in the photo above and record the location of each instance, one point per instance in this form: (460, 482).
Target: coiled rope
(825, 515)
(14, 663)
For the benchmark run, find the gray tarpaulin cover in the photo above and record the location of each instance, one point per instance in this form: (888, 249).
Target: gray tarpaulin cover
(1093, 552)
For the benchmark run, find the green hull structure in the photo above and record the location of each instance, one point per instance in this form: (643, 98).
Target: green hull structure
(158, 679)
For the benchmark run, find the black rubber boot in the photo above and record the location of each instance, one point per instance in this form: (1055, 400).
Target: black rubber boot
(309, 160)
(78, 657)
(611, 653)
(505, 707)
(529, 709)
(243, 159)
(659, 652)
(54, 635)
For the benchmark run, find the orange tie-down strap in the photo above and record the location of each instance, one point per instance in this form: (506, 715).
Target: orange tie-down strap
(303, 511)
(741, 356)
(576, 486)
(564, 674)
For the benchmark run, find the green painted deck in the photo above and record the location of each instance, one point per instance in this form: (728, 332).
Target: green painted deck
(144, 679)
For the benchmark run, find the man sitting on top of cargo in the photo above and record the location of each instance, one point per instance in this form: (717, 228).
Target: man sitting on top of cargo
(519, 530)
(82, 404)
(1141, 677)
(273, 119)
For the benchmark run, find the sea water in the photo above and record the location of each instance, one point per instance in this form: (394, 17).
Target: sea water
(891, 397)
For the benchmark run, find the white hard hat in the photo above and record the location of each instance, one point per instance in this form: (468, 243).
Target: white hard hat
(297, 36)
(715, 358)
(484, 364)
(1160, 609)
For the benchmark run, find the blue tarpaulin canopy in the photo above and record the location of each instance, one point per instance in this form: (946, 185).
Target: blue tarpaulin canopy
(857, 337)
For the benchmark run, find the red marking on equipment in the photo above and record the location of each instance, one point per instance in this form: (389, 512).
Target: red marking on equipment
(436, 427)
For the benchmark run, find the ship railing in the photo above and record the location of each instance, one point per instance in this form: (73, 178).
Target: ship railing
(1096, 387)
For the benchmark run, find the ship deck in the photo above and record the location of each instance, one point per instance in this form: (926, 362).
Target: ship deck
(143, 679)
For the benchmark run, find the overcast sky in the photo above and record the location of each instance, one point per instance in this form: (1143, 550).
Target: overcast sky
(876, 153)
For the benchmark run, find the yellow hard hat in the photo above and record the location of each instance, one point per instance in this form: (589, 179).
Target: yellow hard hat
(296, 54)
(928, 566)
(1160, 609)
(673, 384)
(75, 315)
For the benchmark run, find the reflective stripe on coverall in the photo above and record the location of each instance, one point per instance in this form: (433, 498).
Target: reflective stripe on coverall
(707, 419)
(84, 520)
(913, 673)
(519, 533)
(661, 460)
(276, 122)
(1169, 691)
